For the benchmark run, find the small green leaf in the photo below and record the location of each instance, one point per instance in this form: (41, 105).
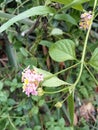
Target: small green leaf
(45, 43)
(66, 18)
(1, 85)
(35, 110)
(49, 79)
(62, 50)
(68, 128)
(57, 128)
(41, 102)
(78, 7)
(39, 10)
(11, 54)
(56, 31)
(24, 51)
(94, 59)
(72, 3)
(85, 128)
(71, 108)
(37, 128)
(27, 129)
(3, 96)
(47, 2)
(61, 122)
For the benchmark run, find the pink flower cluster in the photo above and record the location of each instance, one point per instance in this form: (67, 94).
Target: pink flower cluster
(31, 80)
(85, 20)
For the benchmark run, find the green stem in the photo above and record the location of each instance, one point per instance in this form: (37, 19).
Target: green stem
(85, 45)
(20, 6)
(12, 123)
(66, 69)
(66, 88)
(62, 72)
(91, 74)
(66, 98)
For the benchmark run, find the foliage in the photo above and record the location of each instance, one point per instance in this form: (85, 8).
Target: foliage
(46, 36)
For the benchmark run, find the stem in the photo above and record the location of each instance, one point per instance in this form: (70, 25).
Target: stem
(85, 45)
(20, 6)
(66, 69)
(58, 90)
(12, 123)
(91, 74)
(66, 98)
(62, 72)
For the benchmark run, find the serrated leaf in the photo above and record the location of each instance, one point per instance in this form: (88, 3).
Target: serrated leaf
(39, 10)
(62, 50)
(94, 59)
(50, 80)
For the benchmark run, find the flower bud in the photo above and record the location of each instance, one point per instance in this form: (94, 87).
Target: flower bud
(58, 104)
(40, 92)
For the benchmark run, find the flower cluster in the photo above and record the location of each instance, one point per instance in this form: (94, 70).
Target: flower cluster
(31, 80)
(85, 20)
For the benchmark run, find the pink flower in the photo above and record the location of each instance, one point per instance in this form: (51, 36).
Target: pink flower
(85, 20)
(31, 80)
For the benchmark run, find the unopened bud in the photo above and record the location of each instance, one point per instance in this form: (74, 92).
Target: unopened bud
(40, 92)
(58, 104)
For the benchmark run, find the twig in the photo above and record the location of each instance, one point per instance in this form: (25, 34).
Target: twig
(28, 31)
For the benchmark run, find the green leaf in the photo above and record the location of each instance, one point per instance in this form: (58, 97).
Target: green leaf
(3, 96)
(45, 43)
(94, 59)
(56, 31)
(71, 107)
(27, 129)
(49, 79)
(34, 110)
(57, 128)
(47, 2)
(61, 122)
(68, 128)
(41, 102)
(11, 54)
(37, 128)
(72, 3)
(39, 10)
(62, 50)
(78, 7)
(85, 128)
(24, 51)
(75, 2)
(66, 18)
(1, 85)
